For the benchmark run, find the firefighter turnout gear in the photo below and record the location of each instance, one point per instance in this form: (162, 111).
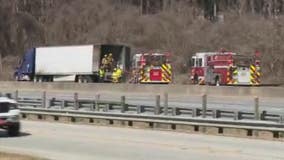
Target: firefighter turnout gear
(104, 62)
(116, 75)
(110, 61)
(101, 73)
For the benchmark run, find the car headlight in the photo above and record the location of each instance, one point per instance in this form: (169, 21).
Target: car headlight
(14, 118)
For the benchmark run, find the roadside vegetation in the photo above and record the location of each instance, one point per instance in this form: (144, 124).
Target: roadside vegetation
(181, 27)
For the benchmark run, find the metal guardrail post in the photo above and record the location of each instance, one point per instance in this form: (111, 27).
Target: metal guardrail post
(62, 104)
(92, 107)
(237, 115)
(281, 119)
(97, 102)
(215, 113)
(174, 111)
(194, 112)
(139, 109)
(166, 107)
(256, 108)
(106, 108)
(43, 100)
(204, 105)
(76, 104)
(16, 96)
(123, 105)
(51, 101)
(157, 109)
(263, 115)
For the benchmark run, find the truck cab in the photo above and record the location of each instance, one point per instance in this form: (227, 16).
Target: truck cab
(198, 66)
(9, 116)
(25, 69)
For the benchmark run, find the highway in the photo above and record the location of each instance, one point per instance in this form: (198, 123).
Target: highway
(66, 141)
(241, 103)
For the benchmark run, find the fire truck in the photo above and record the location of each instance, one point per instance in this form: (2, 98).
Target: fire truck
(151, 68)
(225, 68)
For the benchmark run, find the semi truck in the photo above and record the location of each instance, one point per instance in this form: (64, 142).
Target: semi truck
(76, 63)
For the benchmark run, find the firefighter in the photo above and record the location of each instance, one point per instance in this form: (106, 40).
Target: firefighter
(110, 61)
(116, 75)
(101, 74)
(195, 79)
(136, 76)
(104, 62)
(119, 73)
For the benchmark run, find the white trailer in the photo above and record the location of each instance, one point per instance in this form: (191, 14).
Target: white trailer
(64, 63)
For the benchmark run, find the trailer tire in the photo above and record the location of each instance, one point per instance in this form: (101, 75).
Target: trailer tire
(84, 79)
(88, 79)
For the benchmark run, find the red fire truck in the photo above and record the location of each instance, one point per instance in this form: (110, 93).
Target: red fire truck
(151, 68)
(225, 68)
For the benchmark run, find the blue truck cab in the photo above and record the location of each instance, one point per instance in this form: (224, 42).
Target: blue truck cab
(26, 67)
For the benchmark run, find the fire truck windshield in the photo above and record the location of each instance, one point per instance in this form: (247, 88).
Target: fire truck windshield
(192, 62)
(196, 62)
(155, 60)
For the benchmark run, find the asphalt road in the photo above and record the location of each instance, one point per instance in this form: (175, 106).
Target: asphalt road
(272, 105)
(74, 142)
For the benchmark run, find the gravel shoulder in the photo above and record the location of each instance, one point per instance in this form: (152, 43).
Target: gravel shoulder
(13, 156)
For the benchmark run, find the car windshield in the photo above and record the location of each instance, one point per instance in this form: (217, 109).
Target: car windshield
(5, 107)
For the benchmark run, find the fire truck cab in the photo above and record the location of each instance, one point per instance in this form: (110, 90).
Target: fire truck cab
(152, 68)
(198, 66)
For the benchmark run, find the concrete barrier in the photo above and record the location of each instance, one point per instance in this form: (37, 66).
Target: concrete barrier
(139, 88)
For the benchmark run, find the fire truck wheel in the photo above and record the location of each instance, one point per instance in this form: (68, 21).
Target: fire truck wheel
(195, 79)
(217, 81)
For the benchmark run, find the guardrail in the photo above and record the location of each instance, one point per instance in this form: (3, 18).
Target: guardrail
(121, 106)
(180, 124)
(257, 124)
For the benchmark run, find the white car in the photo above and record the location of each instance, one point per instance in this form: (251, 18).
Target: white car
(9, 116)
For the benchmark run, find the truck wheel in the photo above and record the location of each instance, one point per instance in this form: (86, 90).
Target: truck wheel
(14, 130)
(217, 81)
(195, 79)
(89, 79)
(84, 79)
(80, 79)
